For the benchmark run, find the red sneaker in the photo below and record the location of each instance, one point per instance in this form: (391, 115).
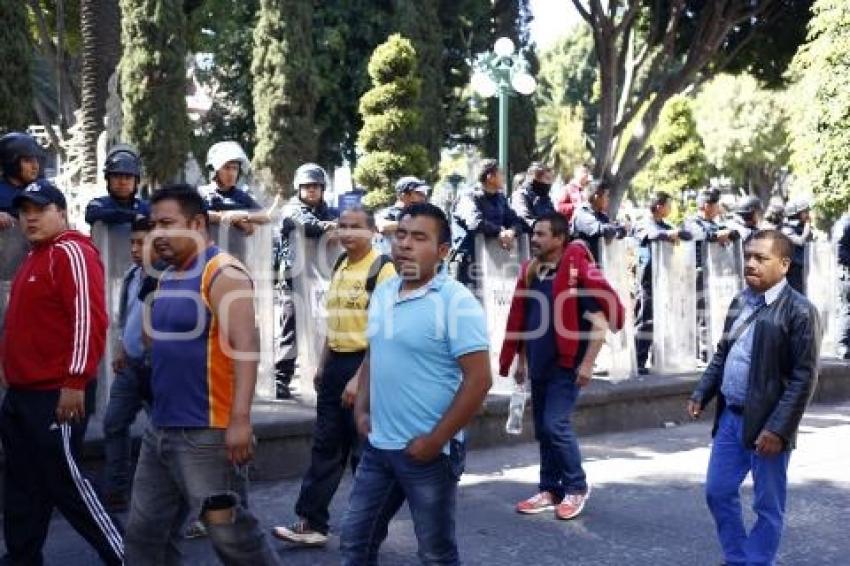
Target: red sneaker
(536, 504)
(572, 505)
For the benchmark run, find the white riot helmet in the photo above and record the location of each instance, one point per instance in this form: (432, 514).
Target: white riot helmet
(307, 174)
(223, 152)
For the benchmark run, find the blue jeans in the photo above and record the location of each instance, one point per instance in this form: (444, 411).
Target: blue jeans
(553, 398)
(384, 480)
(187, 469)
(729, 464)
(125, 402)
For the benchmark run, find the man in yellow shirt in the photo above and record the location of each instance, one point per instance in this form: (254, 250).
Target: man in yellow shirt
(356, 274)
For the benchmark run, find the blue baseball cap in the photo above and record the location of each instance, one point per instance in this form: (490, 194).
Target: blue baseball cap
(42, 193)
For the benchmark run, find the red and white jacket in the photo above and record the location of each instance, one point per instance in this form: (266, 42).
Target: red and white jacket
(55, 328)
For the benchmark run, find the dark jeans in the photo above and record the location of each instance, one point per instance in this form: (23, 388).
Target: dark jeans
(843, 330)
(643, 324)
(729, 464)
(187, 469)
(287, 347)
(384, 480)
(553, 399)
(125, 402)
(335, 441)
(41, 473)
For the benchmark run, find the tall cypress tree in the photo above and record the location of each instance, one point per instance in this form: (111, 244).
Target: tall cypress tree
(420, 22)
(390, 122)
(284, 90)
(15, 88)
(153, 80)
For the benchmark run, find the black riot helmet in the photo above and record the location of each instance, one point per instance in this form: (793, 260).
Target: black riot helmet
(122, 160)
(15, 146)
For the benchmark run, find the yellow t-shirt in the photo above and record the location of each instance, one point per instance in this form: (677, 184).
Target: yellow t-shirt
(347, 303)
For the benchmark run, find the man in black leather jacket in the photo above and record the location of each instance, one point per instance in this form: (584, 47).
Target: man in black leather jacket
(763, 375)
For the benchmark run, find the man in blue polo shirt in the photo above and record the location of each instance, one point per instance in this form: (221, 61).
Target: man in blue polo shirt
(426, 375)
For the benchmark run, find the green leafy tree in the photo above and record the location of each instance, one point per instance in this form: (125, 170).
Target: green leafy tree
(821, 129)
(15, 88)
(225, 30)
(284, 90)
(390, 120)
(679, 161)
(649, 51)
(153, 82)
(745, 130)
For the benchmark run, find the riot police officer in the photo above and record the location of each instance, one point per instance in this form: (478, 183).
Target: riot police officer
(227, 199)
(705, 228)
(20, 157)
(798, 227)
(747, 217)
(306, 210)
(652, 229)
(122, 170)
(590, 220)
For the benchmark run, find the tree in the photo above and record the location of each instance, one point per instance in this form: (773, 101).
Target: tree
(284, 90)
(745, 130)
(679, 161)
(153, 80)
(224, 29)
(100, 25)
(821, 129)
(15, 88)
(568, 77)
(561, 141)
(511, 18)
(648, 51)
(390, 118)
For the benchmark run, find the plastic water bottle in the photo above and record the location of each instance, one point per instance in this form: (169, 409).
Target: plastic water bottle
(516, 410)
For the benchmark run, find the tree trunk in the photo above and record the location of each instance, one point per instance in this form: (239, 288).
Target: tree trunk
(100, 22)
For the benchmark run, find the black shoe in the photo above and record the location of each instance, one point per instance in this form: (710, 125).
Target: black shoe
(643, 371)
(281, 391)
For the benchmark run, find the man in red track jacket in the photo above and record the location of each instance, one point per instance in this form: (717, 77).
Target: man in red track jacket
(53, 339)
(560, 312)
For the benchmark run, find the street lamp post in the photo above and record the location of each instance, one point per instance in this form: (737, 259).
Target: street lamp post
(502, 73)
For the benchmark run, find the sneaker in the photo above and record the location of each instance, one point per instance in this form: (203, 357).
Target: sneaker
(571, 505)
(196, 529)
(536, 504)
(301, 534)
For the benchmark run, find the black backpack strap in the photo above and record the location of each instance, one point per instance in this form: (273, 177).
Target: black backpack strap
(338, 263)
(375, 271)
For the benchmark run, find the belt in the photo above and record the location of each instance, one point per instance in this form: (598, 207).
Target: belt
(736, 409)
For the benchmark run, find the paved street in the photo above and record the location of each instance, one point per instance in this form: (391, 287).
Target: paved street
(646, 508)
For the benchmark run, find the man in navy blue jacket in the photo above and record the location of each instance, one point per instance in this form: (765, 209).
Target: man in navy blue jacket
(486, 211)
(122, 170)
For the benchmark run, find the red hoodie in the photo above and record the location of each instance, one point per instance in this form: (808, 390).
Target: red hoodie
(55, 328)
(576, 271)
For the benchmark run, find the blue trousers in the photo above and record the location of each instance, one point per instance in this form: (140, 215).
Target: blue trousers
(553, 399)
(729, 464)
(125, 402)
(384, 480)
